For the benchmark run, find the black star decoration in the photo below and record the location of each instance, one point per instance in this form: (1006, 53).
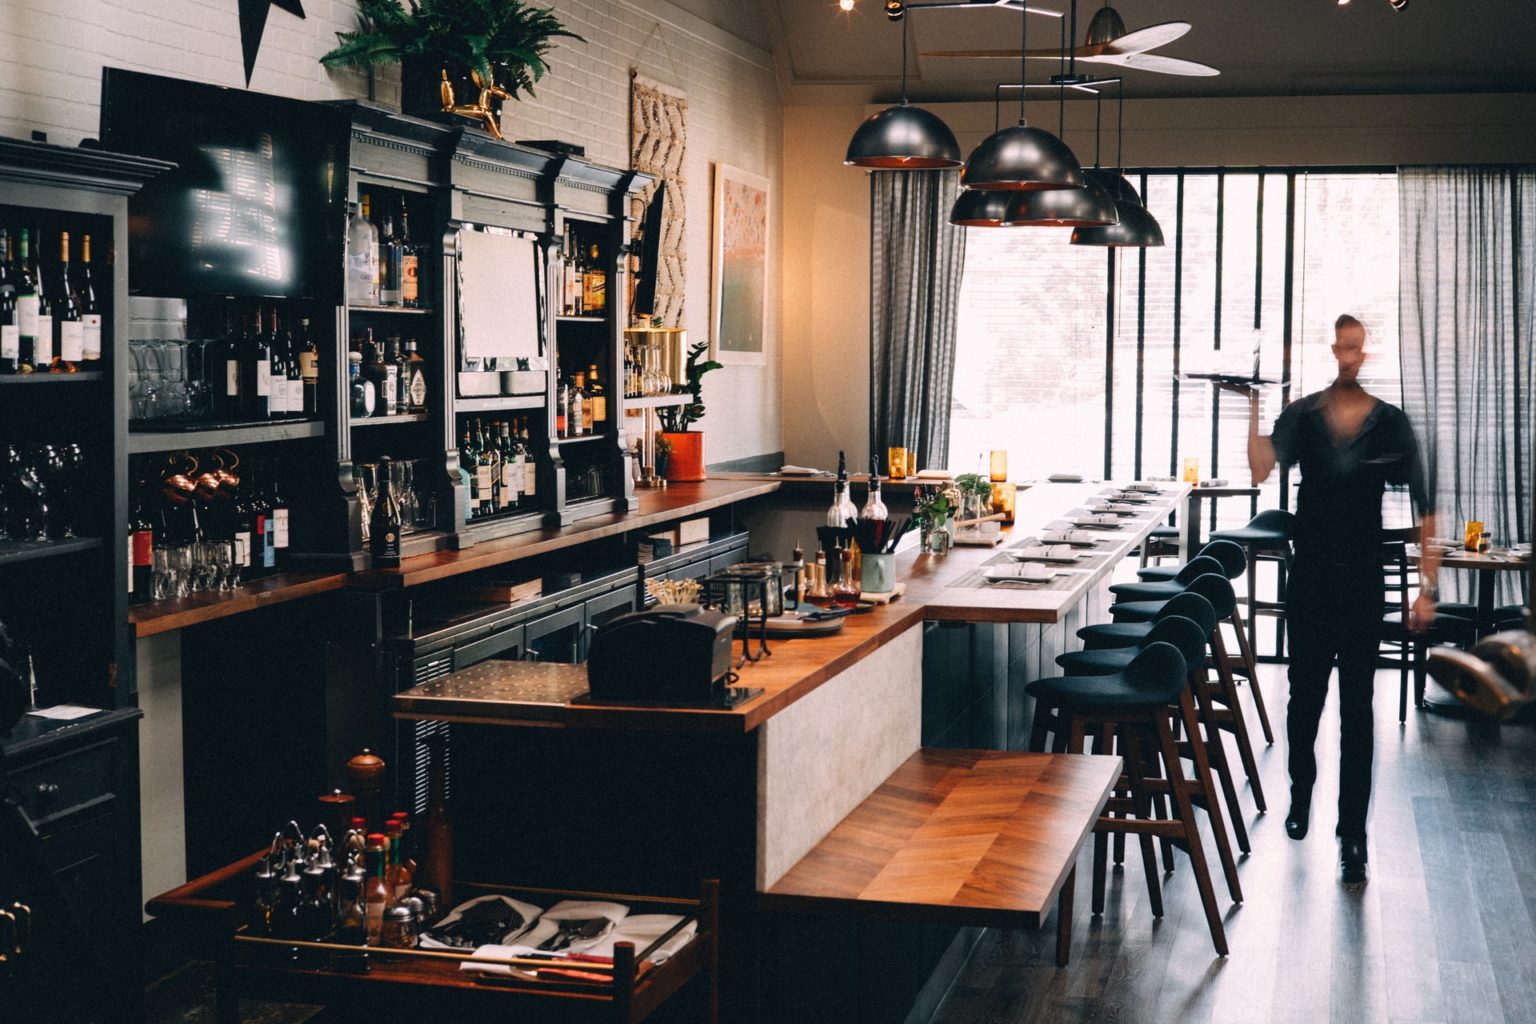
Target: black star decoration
(253, 22)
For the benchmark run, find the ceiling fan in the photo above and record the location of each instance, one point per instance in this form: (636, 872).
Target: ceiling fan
(1108, 42)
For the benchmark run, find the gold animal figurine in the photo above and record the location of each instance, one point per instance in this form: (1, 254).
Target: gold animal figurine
(481, 110)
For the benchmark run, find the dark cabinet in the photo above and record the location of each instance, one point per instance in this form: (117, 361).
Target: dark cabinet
(558, 636)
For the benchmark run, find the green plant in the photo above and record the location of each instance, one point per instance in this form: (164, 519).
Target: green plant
(678, 418)
(933, 507)
(507, 39)
(974, 484)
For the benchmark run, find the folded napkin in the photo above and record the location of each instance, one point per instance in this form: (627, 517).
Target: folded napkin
(548, 926)
(527, 911)
(1067, 537)
(788, 470)
(642, 930)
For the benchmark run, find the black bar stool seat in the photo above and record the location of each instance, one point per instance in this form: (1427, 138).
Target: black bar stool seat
(1266, 536)
(1233, 562)
(1102, 635)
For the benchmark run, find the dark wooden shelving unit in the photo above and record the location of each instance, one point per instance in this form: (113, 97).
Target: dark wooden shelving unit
(149, 442)
(14, 551)
(500, 403)
(389, 421)
(82, 377)
(390, 310)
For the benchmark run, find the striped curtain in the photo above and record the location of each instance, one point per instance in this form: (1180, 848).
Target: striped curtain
(915, 265)
(1467, 299)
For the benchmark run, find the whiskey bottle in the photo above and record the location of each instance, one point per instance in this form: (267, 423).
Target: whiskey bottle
(359, 392)
(594, 284)
(530, 463)
(410, 262)
(597, 397)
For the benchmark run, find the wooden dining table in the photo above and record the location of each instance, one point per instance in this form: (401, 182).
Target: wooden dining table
(1487, 565)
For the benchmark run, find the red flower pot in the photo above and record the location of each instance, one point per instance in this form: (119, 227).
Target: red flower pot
(687, 460)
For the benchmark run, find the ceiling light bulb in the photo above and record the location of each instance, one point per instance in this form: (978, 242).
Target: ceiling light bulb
(1398, 5)
(846, 5)
(1343, 2)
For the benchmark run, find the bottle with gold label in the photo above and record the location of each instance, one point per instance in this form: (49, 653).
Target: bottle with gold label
(597, 397)
(594, 284)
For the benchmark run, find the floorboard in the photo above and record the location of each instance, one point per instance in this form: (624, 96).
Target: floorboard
(1443, 933)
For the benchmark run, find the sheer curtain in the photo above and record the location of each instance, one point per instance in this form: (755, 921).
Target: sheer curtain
(1468, 294)
(915, 269)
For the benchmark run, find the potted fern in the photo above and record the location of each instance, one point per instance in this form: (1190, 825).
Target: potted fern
(686, 461)
(459, 56)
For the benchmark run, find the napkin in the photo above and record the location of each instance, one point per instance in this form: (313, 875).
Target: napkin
(573, 910)
(528, 912)
(642, 930)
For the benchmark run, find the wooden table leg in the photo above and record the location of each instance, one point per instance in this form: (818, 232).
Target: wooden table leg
(1064, 919)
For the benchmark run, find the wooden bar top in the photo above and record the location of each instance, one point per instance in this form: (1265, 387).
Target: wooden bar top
(178, 613)
(930, 579)
(518, 693)
(963, 837)
(656, 506)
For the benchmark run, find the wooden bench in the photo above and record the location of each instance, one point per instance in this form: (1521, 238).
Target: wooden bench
(967, 837)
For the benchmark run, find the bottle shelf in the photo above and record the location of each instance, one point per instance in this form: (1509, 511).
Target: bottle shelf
(83, 377)
(392, 310)
(221, 435)
(386, 421)
(583, 437)
(581, 319)
(13, 551)
(497, 403)
(657, 401)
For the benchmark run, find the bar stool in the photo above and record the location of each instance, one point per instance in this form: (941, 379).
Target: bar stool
(1159, 544)
(1222, 553)
(1108, 635)
(1229, 714)
(1132, 705)
(1268, 537)
(1229, 558)
(1201, 617)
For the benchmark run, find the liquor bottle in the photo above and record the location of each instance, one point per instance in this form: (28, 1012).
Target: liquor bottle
(362, 256)
(410, 262)
(141, 546)
(376, 894)
(221, 367)
(597, 397)
(594, 284)
(242, 530)
(469, 461)
(498, 469)
(842, 509)
(436, 871)
(256, 371)
(415, 379)
(562, 411)
(576, 409)
(874, 508)
(293, 372)
(530, 464)
(357, 388)
(485, 471)
(384, 525)
(90, 307)
(279, 519)
(390, 258)
(42, 323)
(571, 274)
(309, 369)
(10, 331)
(277, 372)
(375, 375)
(398, 383)
(69, 332)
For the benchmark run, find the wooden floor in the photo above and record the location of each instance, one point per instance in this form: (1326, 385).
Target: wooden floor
(1443, 932)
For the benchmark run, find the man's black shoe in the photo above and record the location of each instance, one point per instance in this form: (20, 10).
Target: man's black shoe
(1352, 856)
(1297, 820)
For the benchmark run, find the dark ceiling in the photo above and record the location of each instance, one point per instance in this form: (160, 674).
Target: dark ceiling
(1263, 47)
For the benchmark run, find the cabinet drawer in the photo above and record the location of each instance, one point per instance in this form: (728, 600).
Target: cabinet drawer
(60, 785)
(508, 643)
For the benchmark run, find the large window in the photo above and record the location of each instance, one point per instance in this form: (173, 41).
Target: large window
(1070, 357)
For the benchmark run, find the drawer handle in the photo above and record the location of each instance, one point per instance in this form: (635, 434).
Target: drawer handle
(47, 790)
(23, 917)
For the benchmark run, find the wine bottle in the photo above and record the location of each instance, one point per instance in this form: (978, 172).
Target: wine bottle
(485, 470)
(221, 369)
(469, 461)
(277, 372)
(279, 518)
(10, 331)
(90, 308)
(43, 329)
(256, 371)
(26, 306)
(410, 262)
(242, 529)
(384, 523)
(141, 546)
(511, 469)
(293, 371)
(530, 464)
(69, 332)
(309, 369)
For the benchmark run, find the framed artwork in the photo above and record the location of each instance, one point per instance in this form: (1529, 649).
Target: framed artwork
(739, 267)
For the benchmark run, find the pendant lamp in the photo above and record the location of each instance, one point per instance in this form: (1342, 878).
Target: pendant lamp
(977, 208)
(1087, 207)
(903, 137)
(1136, 228)
(1021, 158)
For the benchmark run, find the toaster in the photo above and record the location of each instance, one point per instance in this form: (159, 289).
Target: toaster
(672, 653)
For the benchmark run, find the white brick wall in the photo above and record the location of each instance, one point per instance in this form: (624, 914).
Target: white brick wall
(52, 52)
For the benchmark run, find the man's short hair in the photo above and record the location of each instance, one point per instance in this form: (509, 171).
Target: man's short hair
(1345, 320)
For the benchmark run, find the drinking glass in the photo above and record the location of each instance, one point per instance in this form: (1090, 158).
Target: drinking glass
(1191, 469)
(162, 581)
(179, 567)
(896, 463)
(402, 481)
(999, 465)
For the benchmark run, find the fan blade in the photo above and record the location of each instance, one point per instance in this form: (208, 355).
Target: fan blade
(1157, 64)
(1082, 51)
(1144, 39)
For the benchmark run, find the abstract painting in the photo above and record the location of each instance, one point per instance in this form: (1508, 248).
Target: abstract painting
(739, 267)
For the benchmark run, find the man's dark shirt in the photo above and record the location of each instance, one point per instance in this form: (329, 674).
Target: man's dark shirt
(1338, 511)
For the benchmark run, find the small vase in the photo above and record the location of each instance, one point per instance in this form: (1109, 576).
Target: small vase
(687, 459)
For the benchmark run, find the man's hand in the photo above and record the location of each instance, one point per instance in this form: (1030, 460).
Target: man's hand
(1422, 615)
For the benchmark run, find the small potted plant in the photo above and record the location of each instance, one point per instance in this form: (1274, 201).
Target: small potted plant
(687, 446)
(458, 56)
(975, 493)
(932, 507)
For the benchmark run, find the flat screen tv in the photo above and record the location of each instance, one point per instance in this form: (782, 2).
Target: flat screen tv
(257, 204)
(650, 254)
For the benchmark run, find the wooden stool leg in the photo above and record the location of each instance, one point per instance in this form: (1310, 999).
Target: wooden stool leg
(1216, 753)
(1064, 919)
(1038, 726)
(1100, 845)
(1251, 668)
(1229, 697)
(1191, 835)
(1207, 790)
(1135, 750)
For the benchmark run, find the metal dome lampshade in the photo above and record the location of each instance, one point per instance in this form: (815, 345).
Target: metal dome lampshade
(975, 208)
(1136, 229)
(904, 137)
(1086, 207)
